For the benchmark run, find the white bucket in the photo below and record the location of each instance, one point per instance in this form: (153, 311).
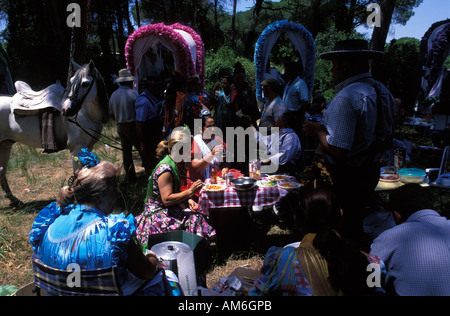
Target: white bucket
(179, 258)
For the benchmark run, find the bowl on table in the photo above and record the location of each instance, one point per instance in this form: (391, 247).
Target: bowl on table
(412, 175)
(244, 183)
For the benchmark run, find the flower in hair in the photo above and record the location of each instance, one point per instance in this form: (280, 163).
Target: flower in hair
(87, 159)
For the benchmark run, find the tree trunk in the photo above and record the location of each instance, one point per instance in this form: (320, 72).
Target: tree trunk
(216, 20)
(79, 38)
(249, 49)
(316, 17)
(138, 14)
(380, 34)
(121, 38)
(233, 23)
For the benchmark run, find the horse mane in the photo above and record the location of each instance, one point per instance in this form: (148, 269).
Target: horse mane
(102, 93)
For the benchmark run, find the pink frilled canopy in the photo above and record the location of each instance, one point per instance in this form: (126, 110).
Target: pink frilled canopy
(183, 42)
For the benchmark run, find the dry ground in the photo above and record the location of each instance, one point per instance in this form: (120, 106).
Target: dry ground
(35, 178)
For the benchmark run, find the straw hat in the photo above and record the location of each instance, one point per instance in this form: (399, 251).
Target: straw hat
(125, 76)
(353, 47)
(271, 83)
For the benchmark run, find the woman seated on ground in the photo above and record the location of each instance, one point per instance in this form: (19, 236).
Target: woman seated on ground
(80, 228)
(166, 208)
(323, 264)
(206, 152)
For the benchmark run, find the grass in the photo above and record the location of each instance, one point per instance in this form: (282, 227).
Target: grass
(35, 178)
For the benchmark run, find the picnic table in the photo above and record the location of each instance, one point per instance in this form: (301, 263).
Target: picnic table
(256, 197)
(230, 212)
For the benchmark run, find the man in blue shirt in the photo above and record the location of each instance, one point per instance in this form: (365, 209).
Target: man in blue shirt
(357, 122)
(295, 94)
(288, 154)
(416, 253)
(149, 124)
(122, 110)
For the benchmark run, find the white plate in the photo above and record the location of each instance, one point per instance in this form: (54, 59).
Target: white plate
(208, 189)
(292, 185)
(279, 177)
(389, 180)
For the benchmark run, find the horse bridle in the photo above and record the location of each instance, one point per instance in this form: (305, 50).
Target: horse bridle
(75, 102)
(76, 105)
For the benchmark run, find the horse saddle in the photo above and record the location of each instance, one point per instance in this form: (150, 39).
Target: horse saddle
(29, 102)
(46, 104)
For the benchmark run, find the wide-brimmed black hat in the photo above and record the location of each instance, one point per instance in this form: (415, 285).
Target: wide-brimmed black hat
(353, 47)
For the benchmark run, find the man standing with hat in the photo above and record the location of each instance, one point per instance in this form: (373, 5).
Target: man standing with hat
(357, 122)
(274, 106)
(122, 110)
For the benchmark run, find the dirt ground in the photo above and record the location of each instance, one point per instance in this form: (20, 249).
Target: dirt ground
(36, 183)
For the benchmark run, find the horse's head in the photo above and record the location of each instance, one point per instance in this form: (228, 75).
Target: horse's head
(85, 86)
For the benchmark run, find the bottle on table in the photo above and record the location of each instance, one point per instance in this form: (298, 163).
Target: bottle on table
(213, 175)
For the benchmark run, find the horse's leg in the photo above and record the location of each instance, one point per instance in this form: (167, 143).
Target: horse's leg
(5, 152)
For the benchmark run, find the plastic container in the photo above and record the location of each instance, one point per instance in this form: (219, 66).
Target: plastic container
(229, 178)
(179, 258)
(202, 252)
(412, 175)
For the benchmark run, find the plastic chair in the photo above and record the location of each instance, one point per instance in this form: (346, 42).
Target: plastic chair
(99, 282)
(444, 167)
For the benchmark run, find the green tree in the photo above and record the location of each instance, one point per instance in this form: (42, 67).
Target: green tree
(401, 69)
(323, 80)
(37, 40)
(222, 63)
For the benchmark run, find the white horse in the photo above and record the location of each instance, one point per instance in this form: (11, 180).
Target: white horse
(85, 101)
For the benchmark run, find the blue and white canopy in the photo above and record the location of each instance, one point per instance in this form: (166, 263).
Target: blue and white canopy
(303, 42)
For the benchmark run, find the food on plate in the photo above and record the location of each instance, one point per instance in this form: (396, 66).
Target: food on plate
(289, 185)
(269, 183)
(389, 177)
(214, 187)
(278, 177)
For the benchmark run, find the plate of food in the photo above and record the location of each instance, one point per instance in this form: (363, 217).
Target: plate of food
(214, 187)
(389, 177)
(289, 185)
(266, 183)
(278, 177)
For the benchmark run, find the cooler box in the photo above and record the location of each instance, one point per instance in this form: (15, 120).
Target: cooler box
(199, 246)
